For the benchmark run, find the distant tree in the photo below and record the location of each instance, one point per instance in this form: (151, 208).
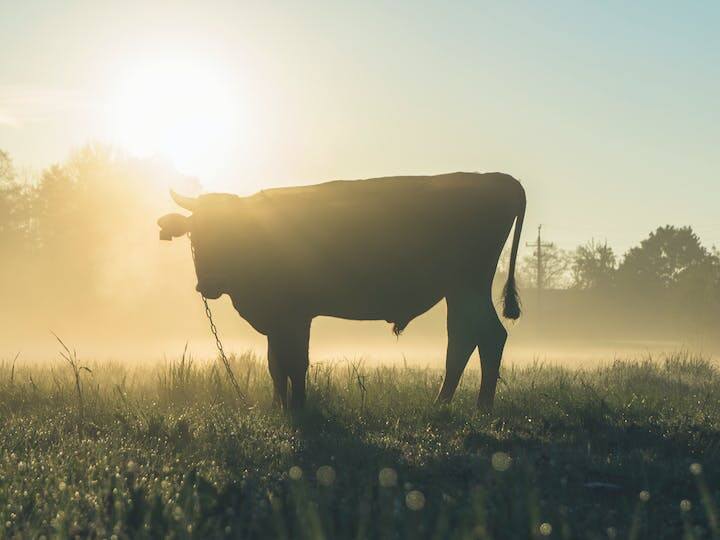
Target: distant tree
(14, 204)
(700, 283)
(664, 258)
(7, 170)
(56, 206)
(81, 206)
(593, 266)
(555, 269)
(7, 185)
(17, 241)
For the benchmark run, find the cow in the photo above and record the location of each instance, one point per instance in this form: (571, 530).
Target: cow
(376, 249)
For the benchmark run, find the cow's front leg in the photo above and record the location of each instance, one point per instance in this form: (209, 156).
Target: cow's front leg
(289, 345)
(297, 394)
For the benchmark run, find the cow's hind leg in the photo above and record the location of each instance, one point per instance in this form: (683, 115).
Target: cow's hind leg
(491, 342)
(463, 312)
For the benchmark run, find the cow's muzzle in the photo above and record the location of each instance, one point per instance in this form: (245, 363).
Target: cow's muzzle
(209, 292)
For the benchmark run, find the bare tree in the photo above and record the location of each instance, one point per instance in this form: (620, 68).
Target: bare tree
(554, 265)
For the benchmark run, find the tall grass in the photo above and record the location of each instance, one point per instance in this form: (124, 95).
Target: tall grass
(165, 450)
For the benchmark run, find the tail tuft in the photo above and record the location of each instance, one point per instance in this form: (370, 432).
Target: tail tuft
(511, 300)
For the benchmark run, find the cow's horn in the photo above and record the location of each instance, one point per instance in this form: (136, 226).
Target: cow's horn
(188, 203)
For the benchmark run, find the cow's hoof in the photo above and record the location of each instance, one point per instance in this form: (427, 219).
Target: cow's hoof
(484, 406)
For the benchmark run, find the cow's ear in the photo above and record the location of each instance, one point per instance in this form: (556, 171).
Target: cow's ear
(173, 225)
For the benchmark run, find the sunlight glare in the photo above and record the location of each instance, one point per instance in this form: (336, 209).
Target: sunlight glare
(182, 111)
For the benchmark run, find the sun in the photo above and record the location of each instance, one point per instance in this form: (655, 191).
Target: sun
(183, 111)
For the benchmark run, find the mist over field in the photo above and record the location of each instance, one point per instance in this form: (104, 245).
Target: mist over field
(83, 260)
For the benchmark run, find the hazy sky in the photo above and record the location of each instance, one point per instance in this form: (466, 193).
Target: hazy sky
(609, 112)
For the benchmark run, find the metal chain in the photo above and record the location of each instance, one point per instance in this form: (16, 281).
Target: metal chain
(218, 343)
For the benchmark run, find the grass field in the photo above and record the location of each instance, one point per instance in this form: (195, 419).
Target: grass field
(630, 450)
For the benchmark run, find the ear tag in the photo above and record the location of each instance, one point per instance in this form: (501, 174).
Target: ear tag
(165, 235)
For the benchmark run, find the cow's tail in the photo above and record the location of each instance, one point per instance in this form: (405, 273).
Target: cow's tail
(511, 299)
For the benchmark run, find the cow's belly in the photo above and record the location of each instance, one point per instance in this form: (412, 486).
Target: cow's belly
(397, 305)
(386, 311)
(264, 318)
(392, 291)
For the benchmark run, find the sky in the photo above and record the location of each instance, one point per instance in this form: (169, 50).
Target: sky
(608, 112)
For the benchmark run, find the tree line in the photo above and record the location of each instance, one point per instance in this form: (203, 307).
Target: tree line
(665, 287)
(671, 257)
(81, 234)
(84, 230)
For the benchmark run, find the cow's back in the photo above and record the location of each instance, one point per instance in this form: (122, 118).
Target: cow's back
(360, 248)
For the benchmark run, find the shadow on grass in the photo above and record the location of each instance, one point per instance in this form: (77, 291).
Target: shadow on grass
(584, 472)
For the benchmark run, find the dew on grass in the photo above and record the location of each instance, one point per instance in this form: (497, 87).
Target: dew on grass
(644, 495)
(415, 500)
(685, 505)
(387, 477)
(501, 461)
(545, 529)
(696, 469)
(325, 475)
(295, 473)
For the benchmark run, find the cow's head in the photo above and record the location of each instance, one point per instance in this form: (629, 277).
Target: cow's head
(205, 232)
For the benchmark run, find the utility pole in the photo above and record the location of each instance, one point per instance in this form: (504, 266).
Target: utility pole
(538, 245)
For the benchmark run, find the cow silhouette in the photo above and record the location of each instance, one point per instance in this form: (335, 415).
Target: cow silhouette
(376, 249)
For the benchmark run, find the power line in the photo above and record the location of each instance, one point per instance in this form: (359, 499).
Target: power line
(539, 245)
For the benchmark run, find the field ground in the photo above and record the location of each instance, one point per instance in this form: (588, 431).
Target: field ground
(628, 450)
